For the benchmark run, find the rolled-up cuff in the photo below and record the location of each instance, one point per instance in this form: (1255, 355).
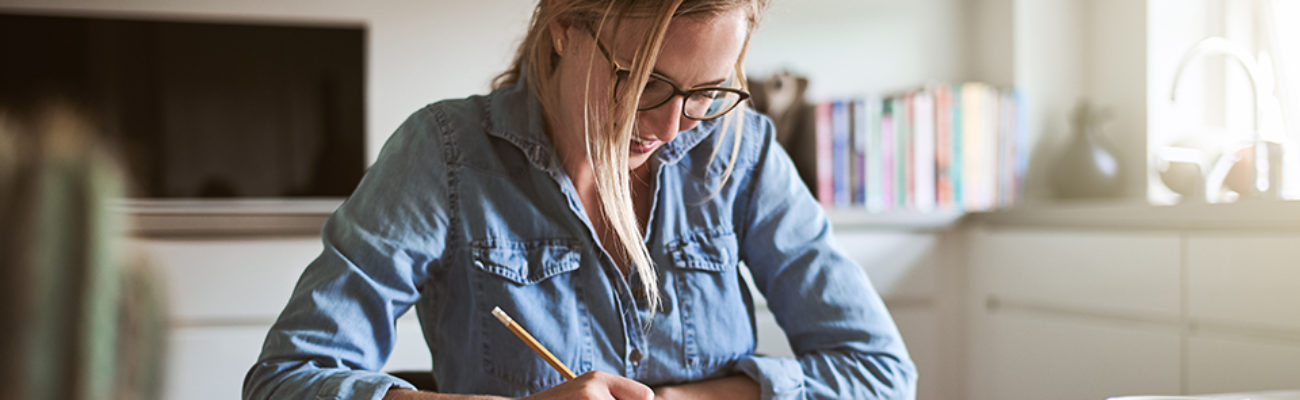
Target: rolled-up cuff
(360, 385)
(780, 377)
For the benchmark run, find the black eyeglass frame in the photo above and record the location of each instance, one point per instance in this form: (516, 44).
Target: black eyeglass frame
(621, 74)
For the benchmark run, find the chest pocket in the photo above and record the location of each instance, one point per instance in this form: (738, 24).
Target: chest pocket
(715, 318)
(536, 284)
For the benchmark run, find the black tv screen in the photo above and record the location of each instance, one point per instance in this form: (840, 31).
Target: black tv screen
(202, 109)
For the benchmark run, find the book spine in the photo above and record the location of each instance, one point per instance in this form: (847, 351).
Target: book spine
(875, 156)
(861, 125)
(924, 150)
(906, 165)
(955, 172)
(943, 146)
(840, 134)
(1021, 155)
(972, 111)
(887, 153)
(824, 147)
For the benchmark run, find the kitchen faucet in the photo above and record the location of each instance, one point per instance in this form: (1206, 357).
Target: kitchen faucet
(1220, 45)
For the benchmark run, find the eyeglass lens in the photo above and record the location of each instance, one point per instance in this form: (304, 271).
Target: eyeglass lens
(699, 104)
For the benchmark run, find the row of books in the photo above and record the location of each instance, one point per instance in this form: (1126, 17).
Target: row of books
(940, 147)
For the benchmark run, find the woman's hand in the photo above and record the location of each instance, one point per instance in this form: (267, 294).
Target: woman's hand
(597, 385)
(593, 385)
(731, 387)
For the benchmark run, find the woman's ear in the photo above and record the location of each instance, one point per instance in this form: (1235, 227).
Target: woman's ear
(560, 34)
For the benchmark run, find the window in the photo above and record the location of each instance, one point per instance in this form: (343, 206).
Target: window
(1212, 111)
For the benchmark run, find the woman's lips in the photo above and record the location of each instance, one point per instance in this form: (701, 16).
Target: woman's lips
(642, 145)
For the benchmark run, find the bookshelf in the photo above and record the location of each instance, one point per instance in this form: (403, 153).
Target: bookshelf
(905, 64)
(1053, 52)
(940, 147)
(861, 219)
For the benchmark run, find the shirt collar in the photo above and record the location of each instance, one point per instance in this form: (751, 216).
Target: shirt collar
(515, 115)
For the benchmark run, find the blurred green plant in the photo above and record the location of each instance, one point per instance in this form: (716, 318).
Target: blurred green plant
(81, 323)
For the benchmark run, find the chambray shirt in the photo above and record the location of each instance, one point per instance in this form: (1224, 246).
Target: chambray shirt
(469, 208)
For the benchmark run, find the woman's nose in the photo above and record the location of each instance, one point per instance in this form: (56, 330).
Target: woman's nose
(664, 122)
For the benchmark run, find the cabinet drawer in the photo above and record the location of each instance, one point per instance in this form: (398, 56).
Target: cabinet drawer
(900, 265)
(1250, 279)
(1031, 356)
(1131, 273)
(210, 362)
(228, 281)
(1219, 363)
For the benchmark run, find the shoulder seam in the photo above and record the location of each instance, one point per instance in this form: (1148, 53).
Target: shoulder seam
(451, 158)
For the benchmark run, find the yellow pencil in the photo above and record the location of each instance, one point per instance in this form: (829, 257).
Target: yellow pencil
(537, 347)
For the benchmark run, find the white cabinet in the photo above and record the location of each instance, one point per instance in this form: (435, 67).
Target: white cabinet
(1244, 306)
(228, 281)
(1245, 279)
(223, 295)
(1094, 271)
(1090, 303)
(1072, 314)
(908, 270)
(1030, 356)
(998, 307)
(210, 362)
(1219, 363)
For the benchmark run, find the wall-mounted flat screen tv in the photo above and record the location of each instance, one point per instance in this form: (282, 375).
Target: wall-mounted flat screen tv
(202, 109)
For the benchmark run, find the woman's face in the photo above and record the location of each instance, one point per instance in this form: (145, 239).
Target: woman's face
(699, 50)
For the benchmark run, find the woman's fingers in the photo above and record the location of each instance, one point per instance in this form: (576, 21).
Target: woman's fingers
(626, 389)
(598, 385)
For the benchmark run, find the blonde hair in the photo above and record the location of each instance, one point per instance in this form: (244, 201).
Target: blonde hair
(535, 63)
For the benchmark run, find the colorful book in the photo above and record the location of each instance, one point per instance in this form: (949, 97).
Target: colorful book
(875, 156)
(943, 146)
(903, 134)
(974, 98)
(923, 151)
(825, 188)
(862, 110)
(840, 152)
(957, 136)
(888, 150)
(992, 145)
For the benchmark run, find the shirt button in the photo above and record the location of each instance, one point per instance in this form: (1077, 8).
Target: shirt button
(635, 356)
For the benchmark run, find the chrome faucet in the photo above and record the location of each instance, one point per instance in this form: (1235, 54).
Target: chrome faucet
(1220, 45)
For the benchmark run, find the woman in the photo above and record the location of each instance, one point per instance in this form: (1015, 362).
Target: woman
(603, 196)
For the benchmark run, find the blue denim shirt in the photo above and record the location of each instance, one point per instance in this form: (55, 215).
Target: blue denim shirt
(468, 208)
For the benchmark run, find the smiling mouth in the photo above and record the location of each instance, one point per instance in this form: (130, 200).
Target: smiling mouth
(642, 141)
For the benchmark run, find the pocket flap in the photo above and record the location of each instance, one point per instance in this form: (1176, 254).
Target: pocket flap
(707, 251)
(525, 263)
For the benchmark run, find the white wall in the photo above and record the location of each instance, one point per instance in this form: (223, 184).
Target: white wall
(420, 50)
(426, 50)
(1115, 68)
(1048, 37)
(852, 47)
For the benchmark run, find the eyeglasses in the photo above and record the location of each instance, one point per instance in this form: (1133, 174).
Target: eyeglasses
(700, 104)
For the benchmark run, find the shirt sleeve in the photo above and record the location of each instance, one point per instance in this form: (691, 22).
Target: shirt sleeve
(845, 341)
(337, 329)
